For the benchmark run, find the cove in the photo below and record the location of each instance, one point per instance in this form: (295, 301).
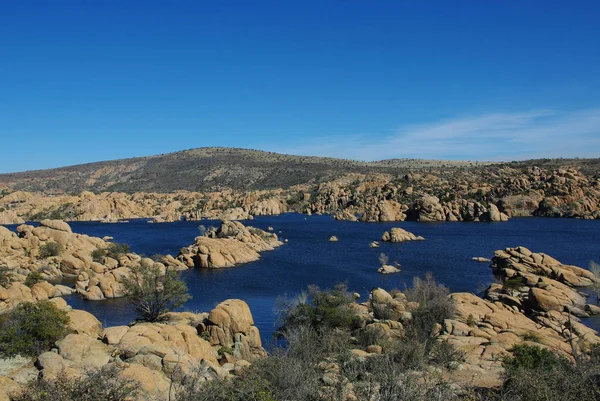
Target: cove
(309, 258)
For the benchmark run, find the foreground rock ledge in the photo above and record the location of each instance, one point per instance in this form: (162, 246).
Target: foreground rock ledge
(151, 352)
(538, 303)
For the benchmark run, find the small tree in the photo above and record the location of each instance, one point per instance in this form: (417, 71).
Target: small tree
(434, 306)
(383, 259)
(32, 328)
(330, 309)
(33, 278)
(595, 268)
(98, 255)
(202, 229)
(116, 250)
(152, 293)
(6, 276)
(50, 249)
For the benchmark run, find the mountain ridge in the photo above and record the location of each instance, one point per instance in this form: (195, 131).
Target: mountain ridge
(217, 168)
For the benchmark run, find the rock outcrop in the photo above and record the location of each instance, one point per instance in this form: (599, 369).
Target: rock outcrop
(429, 208)
(214, 344)
(385, 211)
(397, 234)
(229, 245)
(388, 269)
(538, 282)
(537, 304)
(493, 192)
(484, 330)
(345, 215)
(26, 251)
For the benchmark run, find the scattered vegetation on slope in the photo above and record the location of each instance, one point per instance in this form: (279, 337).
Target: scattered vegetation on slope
(153, 292)
(31, 329)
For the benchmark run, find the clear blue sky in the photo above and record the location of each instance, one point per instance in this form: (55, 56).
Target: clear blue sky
(83, 81)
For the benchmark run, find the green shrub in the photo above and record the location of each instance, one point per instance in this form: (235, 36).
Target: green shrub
(531, 336)
(384, 311)
(33, 278)
(536, 374)
(326, 310)
(6, 276)
(157, 257)
(106, 384)
(435, 306)
(224, 350)
(31, 329)
(247, 387)
(98, 255)
(383, 378)
(116, 250)
(50, 249)
(153, 294)
(289, 373)
(531, 358)
(513, 284)
(471, 320)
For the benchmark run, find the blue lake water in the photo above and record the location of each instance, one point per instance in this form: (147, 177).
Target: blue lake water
(309, 258)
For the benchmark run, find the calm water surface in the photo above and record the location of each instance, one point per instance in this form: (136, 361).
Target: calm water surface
(309, 258)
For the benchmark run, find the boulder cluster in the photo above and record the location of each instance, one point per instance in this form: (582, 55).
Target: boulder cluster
(485, 330)
(215, 344)
(484, 193)
(230, 244)
(397, 234)
(96, 277)
(537, 303)
(97, 272)
(429, 208)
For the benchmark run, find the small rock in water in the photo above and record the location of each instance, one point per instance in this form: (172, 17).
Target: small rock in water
(397, 234)
(388, 269)
(333, 238)
(480, 259)
(374, 244)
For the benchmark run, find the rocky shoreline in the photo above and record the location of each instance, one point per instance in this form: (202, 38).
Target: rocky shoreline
(538, 301)
(494, 194)
(99, 270)
(149, 353)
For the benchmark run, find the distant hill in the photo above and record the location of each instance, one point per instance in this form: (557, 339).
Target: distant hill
(205, 169)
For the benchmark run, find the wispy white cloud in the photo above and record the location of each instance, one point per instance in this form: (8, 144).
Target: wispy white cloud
(493, 136)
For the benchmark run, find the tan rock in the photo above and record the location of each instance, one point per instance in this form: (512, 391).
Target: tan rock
(82, 322)
(57, 225)
(82, 351)
(151, 382)
(113, 335)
